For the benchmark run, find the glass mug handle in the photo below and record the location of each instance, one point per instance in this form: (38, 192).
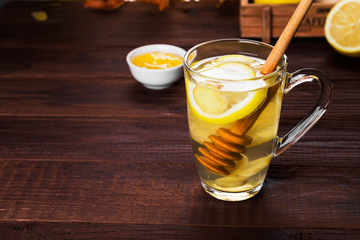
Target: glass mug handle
(297, 78)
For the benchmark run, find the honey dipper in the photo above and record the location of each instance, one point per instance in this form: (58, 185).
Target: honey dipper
(219, 155)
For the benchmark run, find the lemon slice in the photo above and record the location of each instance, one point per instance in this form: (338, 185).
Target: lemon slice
(235, 58)
(211, 105)
(342, 27)
(229, 71)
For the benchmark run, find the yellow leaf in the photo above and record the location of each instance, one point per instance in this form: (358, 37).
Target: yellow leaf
(40, 16)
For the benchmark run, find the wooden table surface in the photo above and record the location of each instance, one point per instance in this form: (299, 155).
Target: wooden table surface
(86, 152)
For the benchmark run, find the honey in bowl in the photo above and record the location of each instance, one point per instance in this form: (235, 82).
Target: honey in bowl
(157, 60)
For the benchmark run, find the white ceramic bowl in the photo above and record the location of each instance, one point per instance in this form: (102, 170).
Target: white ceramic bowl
(156, 78)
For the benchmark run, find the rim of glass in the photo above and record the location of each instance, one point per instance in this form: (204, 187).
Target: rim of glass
(241, 40)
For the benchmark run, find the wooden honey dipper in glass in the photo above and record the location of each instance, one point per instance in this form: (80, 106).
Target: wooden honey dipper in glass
(224, 149)
(228, 145)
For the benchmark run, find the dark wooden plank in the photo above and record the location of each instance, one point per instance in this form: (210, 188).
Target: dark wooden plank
(72, 25)
(156, 139)
(108, 97)
(88, 153)
(67, 44)
(63, 61)
(170, 193)
(51, 120)
(164, 132)
(74, 231)
(95, 139)
(123, 96)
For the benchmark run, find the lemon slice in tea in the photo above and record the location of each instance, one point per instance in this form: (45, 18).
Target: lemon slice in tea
(211, 105)
(235, 58)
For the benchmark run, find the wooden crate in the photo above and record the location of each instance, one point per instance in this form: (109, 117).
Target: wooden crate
(268, 21)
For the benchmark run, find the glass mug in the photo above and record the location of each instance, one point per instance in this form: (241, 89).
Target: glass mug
(233, 113)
